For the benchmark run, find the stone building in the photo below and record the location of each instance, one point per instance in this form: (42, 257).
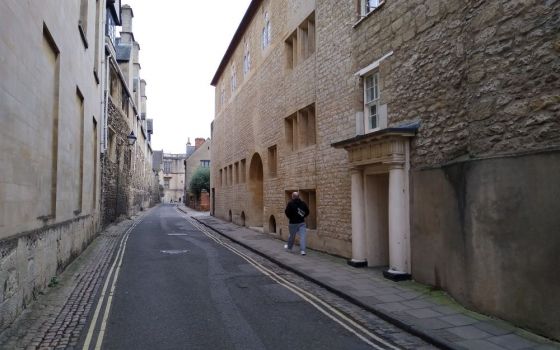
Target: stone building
(200, 157)
(128, 178)
(172, 177)
(424, 136)
(53, 143)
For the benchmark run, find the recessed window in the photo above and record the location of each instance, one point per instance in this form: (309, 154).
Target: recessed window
(272, 161)
(246, 59)
(233, 78)
(236, 170)
(242, 171)
(310, 198)
(371, 101)
(366, 6)
(266, 32)
(221, 178)
(82, 22)
(222, 96)
(299, 128)
(230, 175)
(300, 45)
(205, 163)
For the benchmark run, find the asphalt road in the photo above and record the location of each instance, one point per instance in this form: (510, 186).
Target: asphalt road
(178, 289)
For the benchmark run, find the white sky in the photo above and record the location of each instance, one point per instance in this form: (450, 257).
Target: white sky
(181, 45)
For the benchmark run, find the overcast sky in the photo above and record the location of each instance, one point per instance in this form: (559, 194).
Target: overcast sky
(181, 45)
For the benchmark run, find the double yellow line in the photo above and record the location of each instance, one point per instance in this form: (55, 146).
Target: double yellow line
(111, 276)
(349, 324)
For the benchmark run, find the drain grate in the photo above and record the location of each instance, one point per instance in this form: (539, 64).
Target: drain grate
(174, 252)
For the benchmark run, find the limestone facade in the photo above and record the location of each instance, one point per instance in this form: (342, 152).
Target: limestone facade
(52, 139)
(401, 125)
(172, 177)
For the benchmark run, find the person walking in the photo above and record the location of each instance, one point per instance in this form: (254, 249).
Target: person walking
(296, 211)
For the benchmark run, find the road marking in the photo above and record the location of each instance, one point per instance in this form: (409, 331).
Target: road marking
(93, 324)
(322, 306)
(173, 252)
(177, 234)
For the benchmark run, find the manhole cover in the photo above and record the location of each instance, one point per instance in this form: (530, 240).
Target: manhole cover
(173, 252)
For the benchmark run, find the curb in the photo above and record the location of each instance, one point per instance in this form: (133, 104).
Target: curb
(420, 333)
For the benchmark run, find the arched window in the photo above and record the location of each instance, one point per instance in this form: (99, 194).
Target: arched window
(233, 77)
(246, 58)
(267, 31)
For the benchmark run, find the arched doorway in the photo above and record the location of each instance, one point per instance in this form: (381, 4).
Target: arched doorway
(256, 191)
(271, 224)
(242, 222)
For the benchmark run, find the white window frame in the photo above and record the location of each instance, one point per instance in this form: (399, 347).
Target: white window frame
(367, 6)
(373, 101)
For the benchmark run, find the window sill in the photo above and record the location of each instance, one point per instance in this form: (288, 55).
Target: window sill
(83, 35)
(370, 13)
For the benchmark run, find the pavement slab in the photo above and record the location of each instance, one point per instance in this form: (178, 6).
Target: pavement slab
(406, 304)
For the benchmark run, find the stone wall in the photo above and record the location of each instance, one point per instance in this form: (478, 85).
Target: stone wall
(30, 260)
(49, 146)
(494, 227)
(482, 80)
(252, 119)
(117, 174)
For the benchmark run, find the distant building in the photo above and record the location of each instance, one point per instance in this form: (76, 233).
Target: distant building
(172, 177)
(199, 158)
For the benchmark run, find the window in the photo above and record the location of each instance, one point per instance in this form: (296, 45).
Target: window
(236, 177)
(290, 130)
(221, 178)
(371, 101)
(246, 59)
(205, 163)
(222, 96)
(300, 45)
(310, 198)
(166, 183)
(233, 78)
(300, 128)
(366, 6)
(272, 161)
(266, 32)
(291, 51)
(242, 171)
(230, 175)
(166, 167)
(110, 28)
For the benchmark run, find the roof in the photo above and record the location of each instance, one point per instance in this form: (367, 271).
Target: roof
(407, 130)
(237, 37)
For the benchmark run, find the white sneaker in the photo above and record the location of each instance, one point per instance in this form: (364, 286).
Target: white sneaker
(286, 246)
(302, 252)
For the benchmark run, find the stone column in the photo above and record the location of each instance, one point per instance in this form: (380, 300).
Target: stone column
(398, 235)
(358, 220)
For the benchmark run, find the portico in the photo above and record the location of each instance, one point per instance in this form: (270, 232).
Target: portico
(379, 167)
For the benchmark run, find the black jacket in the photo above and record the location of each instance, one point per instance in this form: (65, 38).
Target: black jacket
(296, 211)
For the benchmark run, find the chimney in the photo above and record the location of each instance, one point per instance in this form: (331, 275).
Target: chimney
(127, 15)
(198, 142)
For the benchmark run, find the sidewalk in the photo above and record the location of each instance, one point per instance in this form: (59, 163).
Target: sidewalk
(429, 314)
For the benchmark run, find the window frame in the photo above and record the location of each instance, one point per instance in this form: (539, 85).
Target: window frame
(366, 8)
(375, 101)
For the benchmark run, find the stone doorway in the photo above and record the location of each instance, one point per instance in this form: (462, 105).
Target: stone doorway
(376, 195)
(256, 192)
(379, 167)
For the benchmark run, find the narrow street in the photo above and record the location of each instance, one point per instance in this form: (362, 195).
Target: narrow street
(179, 288)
